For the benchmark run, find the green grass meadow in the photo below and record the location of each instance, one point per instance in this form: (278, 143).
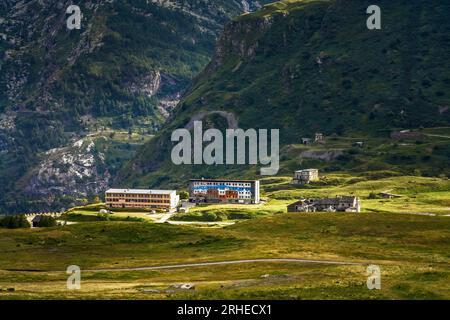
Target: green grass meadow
(413, 252)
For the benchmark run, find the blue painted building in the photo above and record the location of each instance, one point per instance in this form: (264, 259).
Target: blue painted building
(224, 191)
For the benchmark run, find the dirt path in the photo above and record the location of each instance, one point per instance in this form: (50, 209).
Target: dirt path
(200, 223)
(205, 264)
(166, 216)
(221, 263)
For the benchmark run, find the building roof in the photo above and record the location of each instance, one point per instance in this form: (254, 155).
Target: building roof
(307, 170)
(222, 180)
(302, 202)
(326, 201)
(37, 218)
(140, 191)
(333, 201)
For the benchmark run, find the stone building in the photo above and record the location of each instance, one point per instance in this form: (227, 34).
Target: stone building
(319, 138)
(338, 204)
(306, 141)
(305, 176)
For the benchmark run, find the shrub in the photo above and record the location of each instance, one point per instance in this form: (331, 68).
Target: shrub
(209, 216)
(14, 222)
(46, 222)
(373, 195)
(184, 195)
(103, 216)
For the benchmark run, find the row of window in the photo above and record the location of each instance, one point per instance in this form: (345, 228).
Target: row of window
(139, 195)
(137, 200)
(231, 184)
(134, 198)
(138, 206)
(240, 196)
(243, 193)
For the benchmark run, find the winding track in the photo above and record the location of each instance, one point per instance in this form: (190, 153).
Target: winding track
(219, 263)
(202, 264)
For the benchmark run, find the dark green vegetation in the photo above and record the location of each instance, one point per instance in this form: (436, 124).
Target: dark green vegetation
(212, 215)
(308, 66)
(408, 237)
(125, 69)
(378, 158)
(413, 252)
(14, 222)
(46, 222)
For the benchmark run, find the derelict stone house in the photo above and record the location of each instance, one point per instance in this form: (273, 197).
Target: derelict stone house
(36, 220)
(305, 176)
(338, 204)
(319, 138)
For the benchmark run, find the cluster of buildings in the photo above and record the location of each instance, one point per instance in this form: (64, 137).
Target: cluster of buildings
(217, 191)
(318, 138)
(337, 204)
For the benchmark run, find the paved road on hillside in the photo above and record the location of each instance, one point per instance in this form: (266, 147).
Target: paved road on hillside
(221, 263)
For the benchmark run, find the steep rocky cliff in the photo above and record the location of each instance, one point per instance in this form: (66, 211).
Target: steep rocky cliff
(124, 70)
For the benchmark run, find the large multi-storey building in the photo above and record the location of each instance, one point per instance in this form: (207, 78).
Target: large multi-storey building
(139, 198)
(224, 191)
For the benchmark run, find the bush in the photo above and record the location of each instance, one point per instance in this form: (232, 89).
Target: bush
(373, 195)
(46, 222)
(197, 216)
(103, 216)
(14, 222)
(184, 195)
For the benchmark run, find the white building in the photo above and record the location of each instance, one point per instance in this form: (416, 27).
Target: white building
(142, 198)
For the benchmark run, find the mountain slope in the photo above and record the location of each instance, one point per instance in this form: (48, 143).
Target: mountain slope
(308, 66)
(124, 70)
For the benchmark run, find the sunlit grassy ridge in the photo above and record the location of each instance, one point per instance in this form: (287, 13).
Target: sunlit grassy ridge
(313, 66)
(413, 252)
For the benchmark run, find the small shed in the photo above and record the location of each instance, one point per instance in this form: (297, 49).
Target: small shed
(319, 138)
(36, 220)
(386, 195)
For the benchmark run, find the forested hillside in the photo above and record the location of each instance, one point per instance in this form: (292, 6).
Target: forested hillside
(313, 66)
(124, 70)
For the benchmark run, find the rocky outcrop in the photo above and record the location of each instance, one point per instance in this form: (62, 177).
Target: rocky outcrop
(147, 85)
(76, 171)
(240, 39)
(114, 69)
(328, 155)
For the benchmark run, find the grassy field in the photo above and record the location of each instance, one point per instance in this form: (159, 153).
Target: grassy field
(408, 237)
(413, 252)
(419, 195)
